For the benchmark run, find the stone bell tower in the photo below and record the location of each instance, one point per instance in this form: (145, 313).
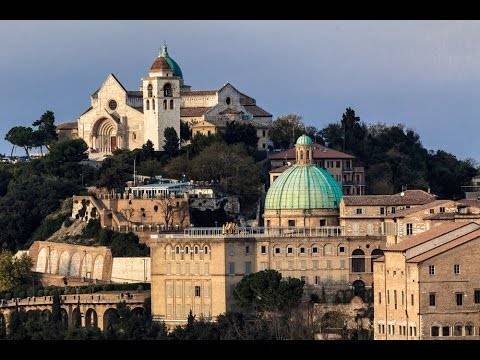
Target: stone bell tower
(161, 99)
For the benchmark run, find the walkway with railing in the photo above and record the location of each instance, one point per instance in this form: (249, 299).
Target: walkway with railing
(247, 232)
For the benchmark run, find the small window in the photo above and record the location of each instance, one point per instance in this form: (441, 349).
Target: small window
(468, 330)
(187, 250)
(277, 250)
(323, 222)
(456, 269)
(167, 90)
(442, 209)
(393, 209)
(435, 331)
(153, 104)
(477, 296)
(196, 249)
(431, 269)
(205, 250)
(314, 250)
(263, 249)
(411, 299)
(432, 211)
(446, 331)
(177, 250)
(459, 299)
(409, 229)
(289, 250)
(197, 291)
(341, 249)
(432, 299)
(302, 250)
(337, 164)
(171, 104)
(164, 104)
(382, 211)
(359, 211)
(228, 100)
(379, 297)
(291, 223)
(112, 104)
(150, 90)
(264, 133)
(147, 105)
(247, 249)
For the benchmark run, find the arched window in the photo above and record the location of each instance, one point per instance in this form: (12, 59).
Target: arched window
(308, 154)
(147, 105)
(150, 90)
(358, 260)
(177, 250)
(376, 253)
(301, 155)
(171, 104)
(228, 100)
(196, 249)
(153, 104)
(205, 250)
(164, 104)
(167, 90)
(186, 250)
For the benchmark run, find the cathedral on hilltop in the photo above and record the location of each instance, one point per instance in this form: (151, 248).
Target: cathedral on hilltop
(122, 119)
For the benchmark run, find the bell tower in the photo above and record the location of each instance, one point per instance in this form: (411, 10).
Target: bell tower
(161, 99)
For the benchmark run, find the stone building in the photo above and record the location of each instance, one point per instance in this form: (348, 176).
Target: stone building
(122, 119)
(198, 270)
(340, 165)
(428, 287)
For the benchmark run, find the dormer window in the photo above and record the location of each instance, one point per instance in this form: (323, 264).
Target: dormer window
(167, 90)
(150, 90)
(228, 100)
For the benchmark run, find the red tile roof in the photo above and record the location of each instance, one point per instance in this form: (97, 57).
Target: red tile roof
(193, 111)
(405, 212)
(319, 152)
(410, 197)
(426, 236)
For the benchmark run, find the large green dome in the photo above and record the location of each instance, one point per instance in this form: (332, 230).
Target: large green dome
(304, 187)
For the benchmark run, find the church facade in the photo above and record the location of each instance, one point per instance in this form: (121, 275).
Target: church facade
(122, 119)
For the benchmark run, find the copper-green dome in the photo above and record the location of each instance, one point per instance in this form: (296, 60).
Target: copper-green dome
(304, 187)
(164, 62)
(304, 140)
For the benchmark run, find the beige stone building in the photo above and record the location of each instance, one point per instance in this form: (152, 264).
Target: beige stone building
(122, 119)
(198, 270)
(428, 287)
(340, 165)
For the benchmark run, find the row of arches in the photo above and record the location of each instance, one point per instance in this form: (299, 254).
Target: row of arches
(165, 104)
(358, 259)
(80, 264)
(187, 252)
(167, 90)
(459, 329)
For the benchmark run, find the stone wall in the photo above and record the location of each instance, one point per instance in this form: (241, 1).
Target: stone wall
(131, 270)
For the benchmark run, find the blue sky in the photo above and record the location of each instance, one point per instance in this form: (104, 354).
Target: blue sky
(425, 74)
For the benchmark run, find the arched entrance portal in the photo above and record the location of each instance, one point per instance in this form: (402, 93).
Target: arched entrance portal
(91, 318)
(110, 319)
(104, 136)
(358, 288)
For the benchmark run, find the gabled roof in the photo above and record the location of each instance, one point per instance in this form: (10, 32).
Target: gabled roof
(95, 94)
(445, 247)
(405, 212)
(319, 152)
(257, 111)
(426, 236)
(68, 126)
(410, 197)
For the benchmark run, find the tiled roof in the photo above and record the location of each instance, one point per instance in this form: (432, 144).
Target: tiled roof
(193, 111)
(319, 152)
(410, 197)
(68, 126)
(90, 108)
(451, 216)
(445, 247)
(428, 235)
(257, 111)
(279, 169)
(160, 63)
(198, 92)
(469, 202)
(135, 93)
(405, 212)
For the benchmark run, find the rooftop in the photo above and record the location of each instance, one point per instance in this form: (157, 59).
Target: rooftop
(409, 197)
(319, 152)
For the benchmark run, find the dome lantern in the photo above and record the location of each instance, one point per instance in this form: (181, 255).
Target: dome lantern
(304, 150)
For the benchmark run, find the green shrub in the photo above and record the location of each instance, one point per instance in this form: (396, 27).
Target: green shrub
(48, 227)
